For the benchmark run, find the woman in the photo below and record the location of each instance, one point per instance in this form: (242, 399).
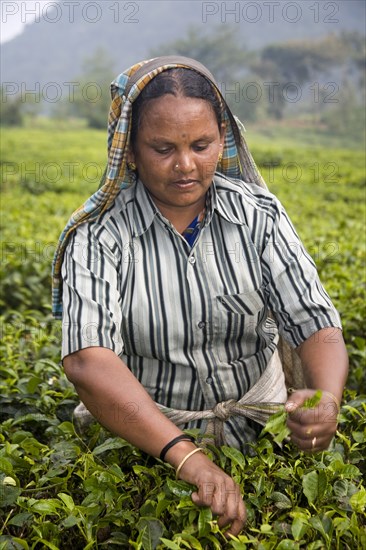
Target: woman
(169, 273)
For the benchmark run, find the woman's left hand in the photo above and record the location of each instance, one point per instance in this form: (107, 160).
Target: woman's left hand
(312, 429)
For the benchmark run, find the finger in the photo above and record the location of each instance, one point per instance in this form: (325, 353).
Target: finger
(311, 445)
(297, 399)
(236, 527)
(309, 431)
(306, 428)
(236, 520)
(227, 503)
(304, 432)
(325, 412)
(305, 416)
(200, 499)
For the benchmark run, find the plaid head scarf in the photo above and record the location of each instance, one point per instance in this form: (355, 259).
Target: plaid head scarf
(236, 162)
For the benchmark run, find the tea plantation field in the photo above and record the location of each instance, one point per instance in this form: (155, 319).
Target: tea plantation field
(63, 490)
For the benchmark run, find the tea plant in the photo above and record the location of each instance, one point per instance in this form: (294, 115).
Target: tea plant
(61, 489)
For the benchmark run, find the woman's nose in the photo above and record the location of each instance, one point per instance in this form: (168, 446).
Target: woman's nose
(184, 163)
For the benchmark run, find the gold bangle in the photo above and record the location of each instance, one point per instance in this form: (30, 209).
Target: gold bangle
(333, 397)
(185, 459)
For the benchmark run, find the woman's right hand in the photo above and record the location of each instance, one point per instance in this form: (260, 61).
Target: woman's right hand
(216, 490)
(115, 397)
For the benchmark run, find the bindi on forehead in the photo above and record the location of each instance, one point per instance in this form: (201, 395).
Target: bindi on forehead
(170, 119)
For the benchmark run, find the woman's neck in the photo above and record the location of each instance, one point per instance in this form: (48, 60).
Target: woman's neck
(181, 217)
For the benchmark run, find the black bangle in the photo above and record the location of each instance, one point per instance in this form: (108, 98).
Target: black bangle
(183, 437)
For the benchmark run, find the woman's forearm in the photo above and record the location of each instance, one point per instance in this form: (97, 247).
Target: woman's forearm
(118, 400)
(120, 403)
(325, 361)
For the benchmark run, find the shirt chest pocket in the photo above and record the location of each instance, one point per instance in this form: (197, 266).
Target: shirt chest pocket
(239, 314)
(247, 303)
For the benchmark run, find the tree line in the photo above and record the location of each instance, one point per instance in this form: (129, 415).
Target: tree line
(322, 77)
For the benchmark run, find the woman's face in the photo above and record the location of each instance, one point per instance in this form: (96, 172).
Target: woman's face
(176, 152)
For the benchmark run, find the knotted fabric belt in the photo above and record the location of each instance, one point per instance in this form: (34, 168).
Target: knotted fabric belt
(266, 397)
(263, 399)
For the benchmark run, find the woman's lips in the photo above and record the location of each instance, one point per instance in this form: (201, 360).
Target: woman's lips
(185, 184)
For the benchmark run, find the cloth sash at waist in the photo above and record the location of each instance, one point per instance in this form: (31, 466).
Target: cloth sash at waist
(264, 398)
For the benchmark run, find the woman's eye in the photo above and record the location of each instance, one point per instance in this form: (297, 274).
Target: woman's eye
(200, 147)
(162, 151)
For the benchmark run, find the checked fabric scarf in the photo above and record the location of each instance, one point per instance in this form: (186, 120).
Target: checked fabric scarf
(236, 162)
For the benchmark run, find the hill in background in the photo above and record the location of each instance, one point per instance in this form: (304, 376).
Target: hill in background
(53, 49)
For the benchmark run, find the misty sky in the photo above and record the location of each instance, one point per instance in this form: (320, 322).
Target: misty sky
(15, 14)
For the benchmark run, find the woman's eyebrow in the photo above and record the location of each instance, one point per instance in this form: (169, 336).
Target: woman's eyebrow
(161, 140)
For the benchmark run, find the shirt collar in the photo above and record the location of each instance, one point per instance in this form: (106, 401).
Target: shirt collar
(217, 198)
(224, 194)
(144, 209)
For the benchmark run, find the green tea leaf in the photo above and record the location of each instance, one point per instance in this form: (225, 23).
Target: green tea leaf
(234, 454)
(282, 434)
(9, 494)
(359, 437)
(46, 506)
(340, 488)
(215, 544)
(358, 500)
(322, 524)
(180, 488)
(151, 529)
(276, 422)
(20, 519)
(344, 470)
(193, 542)
(287, 544)
(48, 544)
(70, 521)
(205, 516)
(298, 528)
(68, 500)
(314, 485)
(282, 501)
(13, 543)
(5, 465)
(109, 445)
(276, 425)
(313, 401)
(33, 383)
(170, 544)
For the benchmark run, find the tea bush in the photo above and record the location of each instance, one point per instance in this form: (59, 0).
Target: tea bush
(60, 489)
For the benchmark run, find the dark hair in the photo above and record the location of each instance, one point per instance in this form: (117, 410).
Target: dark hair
(178, 82)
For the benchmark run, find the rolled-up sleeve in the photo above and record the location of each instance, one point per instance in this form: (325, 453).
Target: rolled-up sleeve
(91, 299)
(295, 294)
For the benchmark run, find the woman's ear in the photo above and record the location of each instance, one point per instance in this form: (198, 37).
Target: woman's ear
(130, 155)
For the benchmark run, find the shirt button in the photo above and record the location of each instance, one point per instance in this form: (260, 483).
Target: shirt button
(201, 324)
(192, 260)
(209, 380)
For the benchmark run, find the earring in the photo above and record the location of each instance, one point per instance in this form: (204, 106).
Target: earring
(219, 159)
(131, 174)
(176, 166)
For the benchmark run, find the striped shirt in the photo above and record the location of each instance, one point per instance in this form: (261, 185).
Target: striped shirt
(192, 322)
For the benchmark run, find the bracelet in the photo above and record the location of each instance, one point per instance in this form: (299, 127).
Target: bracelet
(182, 437)
(185, 459)
(333, 397)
